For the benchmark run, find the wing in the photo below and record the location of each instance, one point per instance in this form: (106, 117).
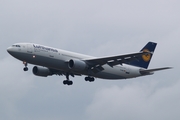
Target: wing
(96, 63)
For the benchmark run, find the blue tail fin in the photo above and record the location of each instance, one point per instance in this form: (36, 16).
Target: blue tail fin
(145, 59)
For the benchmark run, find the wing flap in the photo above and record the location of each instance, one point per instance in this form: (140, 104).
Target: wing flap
(97, 69)
(60, 72)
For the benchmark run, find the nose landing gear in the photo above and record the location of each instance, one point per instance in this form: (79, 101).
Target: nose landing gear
(25, 68)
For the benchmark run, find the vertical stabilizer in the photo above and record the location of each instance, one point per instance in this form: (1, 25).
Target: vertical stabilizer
(145, 59)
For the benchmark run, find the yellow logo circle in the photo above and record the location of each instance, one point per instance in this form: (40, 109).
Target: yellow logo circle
(146, 57)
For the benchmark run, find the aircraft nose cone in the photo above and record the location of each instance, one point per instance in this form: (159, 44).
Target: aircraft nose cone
(9, 49)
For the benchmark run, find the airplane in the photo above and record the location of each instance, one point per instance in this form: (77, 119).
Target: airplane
(50, 61)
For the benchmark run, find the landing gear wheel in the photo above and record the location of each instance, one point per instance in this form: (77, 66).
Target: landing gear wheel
(90, 79)
(25, 69)
(70, 82)
(67, 82)
(86, 78)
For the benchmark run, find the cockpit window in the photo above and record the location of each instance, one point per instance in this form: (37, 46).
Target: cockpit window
(16, 45)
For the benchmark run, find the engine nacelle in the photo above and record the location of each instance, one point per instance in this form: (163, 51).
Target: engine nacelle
(77, 65)
(41, 71)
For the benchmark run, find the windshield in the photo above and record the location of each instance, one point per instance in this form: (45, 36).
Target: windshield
(16, 46)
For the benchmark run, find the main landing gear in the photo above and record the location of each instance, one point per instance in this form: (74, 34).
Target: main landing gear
(25, 68)
(90, 79)
(67, 82)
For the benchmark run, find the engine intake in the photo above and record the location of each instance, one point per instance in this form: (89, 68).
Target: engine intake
(41, 71)
(77, 65)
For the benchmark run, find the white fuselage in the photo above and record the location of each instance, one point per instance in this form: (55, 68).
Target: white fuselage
(57, 59)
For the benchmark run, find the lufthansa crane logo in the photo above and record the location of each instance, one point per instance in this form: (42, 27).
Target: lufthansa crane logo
(146, 57)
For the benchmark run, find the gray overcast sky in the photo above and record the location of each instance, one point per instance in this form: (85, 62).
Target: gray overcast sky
(97, 28)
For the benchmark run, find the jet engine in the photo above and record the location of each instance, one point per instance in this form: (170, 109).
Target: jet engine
(41, 71)
(77, 65)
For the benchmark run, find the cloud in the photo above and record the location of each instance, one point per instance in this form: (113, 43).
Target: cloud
(99, 28)
(136, 101)
(14, 85)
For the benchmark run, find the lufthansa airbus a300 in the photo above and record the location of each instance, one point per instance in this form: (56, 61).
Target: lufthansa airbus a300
(51, 61)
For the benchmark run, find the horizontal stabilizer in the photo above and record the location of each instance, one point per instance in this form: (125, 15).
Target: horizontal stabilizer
(150, 71)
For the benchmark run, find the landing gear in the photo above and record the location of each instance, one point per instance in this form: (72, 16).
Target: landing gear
(25, 68)
(67, 82)
(90, 79)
